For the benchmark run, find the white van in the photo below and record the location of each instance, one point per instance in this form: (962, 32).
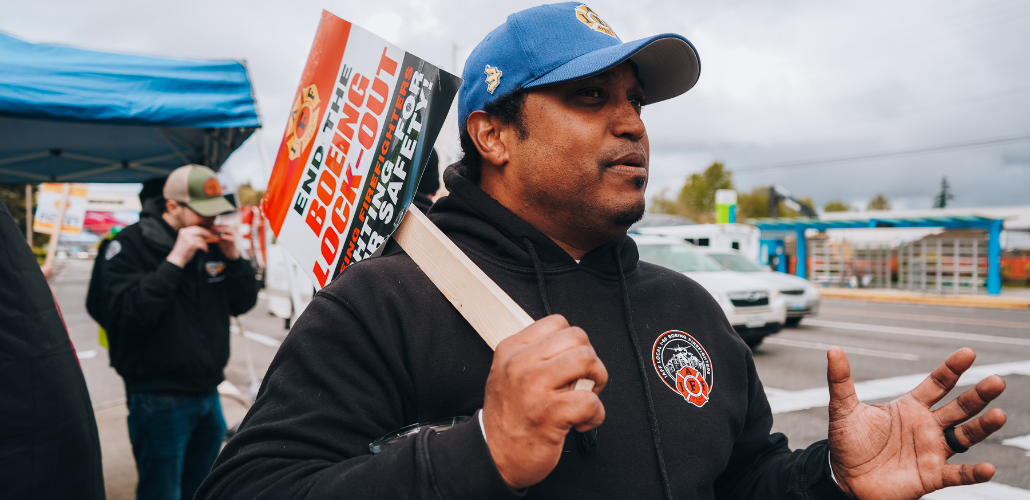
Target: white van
(755, 308)
(738, 238)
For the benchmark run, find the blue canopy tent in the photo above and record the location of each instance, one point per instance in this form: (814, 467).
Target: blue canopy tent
(74, 115)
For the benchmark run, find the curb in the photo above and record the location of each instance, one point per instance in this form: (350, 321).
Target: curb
(983, 302)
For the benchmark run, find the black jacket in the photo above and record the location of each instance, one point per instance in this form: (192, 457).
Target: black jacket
(381, 348)
(49, 447)
(168, 328)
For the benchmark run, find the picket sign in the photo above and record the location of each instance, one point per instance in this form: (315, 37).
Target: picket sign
(55, 234)
(340, 184)
(489, 310)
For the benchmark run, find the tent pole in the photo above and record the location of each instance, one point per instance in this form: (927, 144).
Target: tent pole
(55, 235)
(28, 213)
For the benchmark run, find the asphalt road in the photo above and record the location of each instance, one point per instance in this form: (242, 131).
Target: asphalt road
(887, 341)
(891, 347)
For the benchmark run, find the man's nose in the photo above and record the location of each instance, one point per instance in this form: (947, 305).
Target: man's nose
(626, 122)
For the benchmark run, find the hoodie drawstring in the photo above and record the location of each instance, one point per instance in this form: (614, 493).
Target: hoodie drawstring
(539, 269)
(585, 441)
(651, 413)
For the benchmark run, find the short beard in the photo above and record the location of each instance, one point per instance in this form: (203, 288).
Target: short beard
(629, 215)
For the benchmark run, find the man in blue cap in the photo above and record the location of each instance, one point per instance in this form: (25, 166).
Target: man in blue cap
(553, 174)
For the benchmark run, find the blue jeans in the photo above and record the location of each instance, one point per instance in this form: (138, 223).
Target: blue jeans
(175, 440)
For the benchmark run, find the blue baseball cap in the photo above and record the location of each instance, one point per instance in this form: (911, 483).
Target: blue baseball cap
(561, 42)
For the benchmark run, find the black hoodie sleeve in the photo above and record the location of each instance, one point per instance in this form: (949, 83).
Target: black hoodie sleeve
(762, 466)
(242, 287)
(137, 297)
(334, 387)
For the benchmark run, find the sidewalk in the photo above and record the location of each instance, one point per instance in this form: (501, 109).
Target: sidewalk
(1016, 299)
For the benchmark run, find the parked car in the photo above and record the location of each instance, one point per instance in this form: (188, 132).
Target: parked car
(754, 308)
(801, 297)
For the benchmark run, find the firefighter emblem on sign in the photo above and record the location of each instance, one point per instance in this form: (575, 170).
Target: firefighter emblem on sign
(302, 124)
(684, 366)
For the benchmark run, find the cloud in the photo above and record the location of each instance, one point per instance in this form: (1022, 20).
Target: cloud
(780, 81)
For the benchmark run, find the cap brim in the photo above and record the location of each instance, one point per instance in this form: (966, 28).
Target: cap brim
(211, 207)
(667, 66)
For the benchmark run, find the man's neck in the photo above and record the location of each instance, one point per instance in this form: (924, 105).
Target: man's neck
(576, 253)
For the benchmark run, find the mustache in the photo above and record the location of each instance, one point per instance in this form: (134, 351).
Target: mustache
(630, 153)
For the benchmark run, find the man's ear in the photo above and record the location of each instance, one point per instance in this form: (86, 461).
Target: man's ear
(486, 133)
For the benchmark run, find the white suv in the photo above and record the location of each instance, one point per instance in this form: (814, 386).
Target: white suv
(754, 307)
(801, 296)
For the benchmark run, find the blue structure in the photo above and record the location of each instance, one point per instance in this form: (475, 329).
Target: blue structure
(74, 115)
(800, 224)
(770, 249)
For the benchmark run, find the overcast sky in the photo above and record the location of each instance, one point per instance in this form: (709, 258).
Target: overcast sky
(781, 80)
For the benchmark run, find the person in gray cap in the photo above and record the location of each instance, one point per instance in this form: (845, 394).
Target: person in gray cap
(383, 390)
(170, 282)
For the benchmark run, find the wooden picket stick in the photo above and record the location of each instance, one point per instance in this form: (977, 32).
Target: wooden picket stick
(55, 234)
(489, 310)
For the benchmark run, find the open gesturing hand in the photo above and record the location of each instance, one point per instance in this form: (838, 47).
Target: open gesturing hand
(897, 450)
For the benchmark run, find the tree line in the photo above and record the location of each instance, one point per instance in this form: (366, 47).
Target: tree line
(696, 199)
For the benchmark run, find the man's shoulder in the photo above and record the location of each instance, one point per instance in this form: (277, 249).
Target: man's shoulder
(129, 234)
(386, 274)
(125, 242)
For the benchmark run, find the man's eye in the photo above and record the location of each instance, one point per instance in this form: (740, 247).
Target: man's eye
(592, 93)
(638, 102)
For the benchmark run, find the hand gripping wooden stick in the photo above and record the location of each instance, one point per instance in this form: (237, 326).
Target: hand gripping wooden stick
(486, 307)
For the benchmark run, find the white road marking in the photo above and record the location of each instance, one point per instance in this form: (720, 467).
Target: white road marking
(90, 354)
(955, 320)
(1019, 442)
(916, 332)
(783, 401)
(848, 350)
(262, 339)
(984, 491)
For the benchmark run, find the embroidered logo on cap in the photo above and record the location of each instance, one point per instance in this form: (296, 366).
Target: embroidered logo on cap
(493, 78)
(212, 188)
(594, 21)
(684, 366)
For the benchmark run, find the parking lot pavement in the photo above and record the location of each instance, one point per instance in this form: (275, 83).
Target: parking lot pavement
(891, 348)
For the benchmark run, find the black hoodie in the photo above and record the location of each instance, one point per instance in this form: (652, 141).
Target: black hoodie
(381, 348)
(49, 446)
(168, 328)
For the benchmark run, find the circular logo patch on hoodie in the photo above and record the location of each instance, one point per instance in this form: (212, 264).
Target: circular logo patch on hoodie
(684, 366)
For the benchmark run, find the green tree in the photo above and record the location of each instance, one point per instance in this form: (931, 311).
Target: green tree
(944, 196)
(880, 202)
(248, 195)
(696, 199)
(836, 206)
(755, 205)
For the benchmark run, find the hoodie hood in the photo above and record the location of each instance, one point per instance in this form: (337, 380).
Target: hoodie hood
(156, 232)
(481, 225)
